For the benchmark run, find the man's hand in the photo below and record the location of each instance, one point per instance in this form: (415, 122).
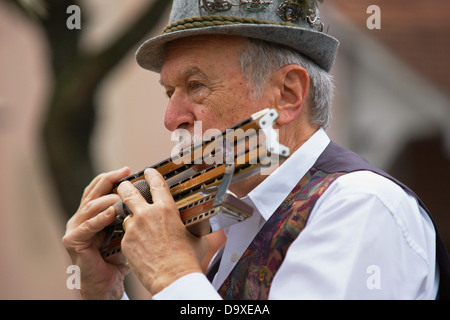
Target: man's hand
(99, 279)
(156, 244)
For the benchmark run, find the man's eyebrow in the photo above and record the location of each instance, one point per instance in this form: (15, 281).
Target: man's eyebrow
(187, 72)
(190, 71)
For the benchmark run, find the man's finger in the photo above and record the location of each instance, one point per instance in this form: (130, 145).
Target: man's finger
(92, 208)
(131, 196)
(103, 183)
(158, 187)
(86, 231)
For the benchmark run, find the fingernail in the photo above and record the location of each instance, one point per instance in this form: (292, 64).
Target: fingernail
(148, 172)
(125, 184)
(108, 211)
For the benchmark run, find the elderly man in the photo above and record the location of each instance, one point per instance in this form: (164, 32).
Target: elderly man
(326, 224)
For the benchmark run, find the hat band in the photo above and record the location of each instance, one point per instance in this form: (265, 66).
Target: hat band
(211, 21)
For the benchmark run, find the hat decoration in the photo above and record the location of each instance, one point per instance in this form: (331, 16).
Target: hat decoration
(291, 10)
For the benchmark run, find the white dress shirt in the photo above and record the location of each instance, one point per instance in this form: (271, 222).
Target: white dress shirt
(365, 239)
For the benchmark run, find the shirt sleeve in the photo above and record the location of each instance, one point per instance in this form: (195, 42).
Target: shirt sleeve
(365, 239)
(194, 286)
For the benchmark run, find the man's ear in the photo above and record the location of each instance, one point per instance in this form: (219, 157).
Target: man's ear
(293, 83)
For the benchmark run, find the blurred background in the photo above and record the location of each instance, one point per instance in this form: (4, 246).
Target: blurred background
(74, 103)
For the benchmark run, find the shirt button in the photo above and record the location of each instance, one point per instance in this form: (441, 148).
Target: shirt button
(234, 257)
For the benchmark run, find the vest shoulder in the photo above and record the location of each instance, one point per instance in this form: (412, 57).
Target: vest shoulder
(336, 158)
(369, 182)
(339, 159)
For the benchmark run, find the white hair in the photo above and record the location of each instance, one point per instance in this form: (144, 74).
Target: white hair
(260, 59)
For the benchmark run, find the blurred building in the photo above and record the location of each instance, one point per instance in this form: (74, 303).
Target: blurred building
(393, 87)
(391, 106)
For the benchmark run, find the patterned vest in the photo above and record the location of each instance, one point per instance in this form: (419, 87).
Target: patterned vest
(252, 276)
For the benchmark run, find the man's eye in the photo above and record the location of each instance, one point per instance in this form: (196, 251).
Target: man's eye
(169, 93)
(193, 85)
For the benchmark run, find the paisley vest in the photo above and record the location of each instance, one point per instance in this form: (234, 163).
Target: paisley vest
(252, 276)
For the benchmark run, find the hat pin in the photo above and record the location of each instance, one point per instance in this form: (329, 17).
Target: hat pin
(215, 5)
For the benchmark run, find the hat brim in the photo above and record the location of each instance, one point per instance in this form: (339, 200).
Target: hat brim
(318, 46)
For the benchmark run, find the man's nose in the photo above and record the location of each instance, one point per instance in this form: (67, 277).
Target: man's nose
(179, 112)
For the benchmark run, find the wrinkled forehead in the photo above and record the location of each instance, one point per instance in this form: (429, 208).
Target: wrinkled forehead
(207, 44)
(210, 55)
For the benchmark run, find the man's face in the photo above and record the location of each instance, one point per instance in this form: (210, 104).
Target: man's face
(203, 79)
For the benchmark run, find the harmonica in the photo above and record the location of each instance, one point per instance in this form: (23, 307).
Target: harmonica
(199, 178)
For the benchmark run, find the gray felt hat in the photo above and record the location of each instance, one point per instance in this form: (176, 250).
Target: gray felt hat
(293, 23)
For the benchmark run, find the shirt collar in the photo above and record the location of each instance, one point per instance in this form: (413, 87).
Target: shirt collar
(270, 193)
